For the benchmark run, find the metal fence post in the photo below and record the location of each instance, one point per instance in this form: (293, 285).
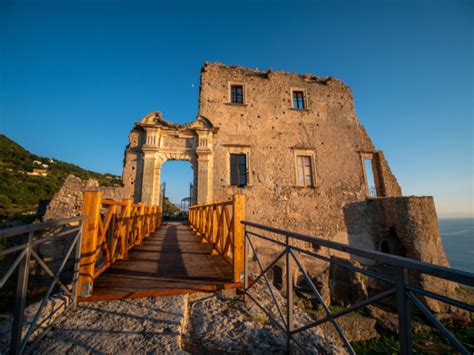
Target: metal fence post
(289, 296)
(404, 318)
(20, 299)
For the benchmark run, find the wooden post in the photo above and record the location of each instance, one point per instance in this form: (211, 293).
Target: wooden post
(215, 226)
(126, 225)
(200, 221)
(141, 227)
(157, 211)
(160, 216)
(110, 235)
(153, 218)
(91, 209)
(220, 228)
(205, 223)
(238, 232)
(147, 221)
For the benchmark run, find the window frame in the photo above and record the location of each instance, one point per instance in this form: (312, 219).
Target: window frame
(309, 153)
(306, 173)
(238, 174)
(244, 94)
(304, 97)
(237, 149)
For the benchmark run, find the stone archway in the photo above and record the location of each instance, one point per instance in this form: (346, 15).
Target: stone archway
(153, 141)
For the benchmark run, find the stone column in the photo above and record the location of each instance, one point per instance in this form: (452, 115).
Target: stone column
(202, 178)
(150, 149)
(204, 168)
(149, 169)
(157, 183)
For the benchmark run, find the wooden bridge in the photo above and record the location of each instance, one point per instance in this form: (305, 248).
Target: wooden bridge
(128, 252)
(124, 250)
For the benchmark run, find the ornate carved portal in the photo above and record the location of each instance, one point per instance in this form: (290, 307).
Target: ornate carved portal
(153, 141)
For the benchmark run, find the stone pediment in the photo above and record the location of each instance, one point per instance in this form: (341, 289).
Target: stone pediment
(156, 119)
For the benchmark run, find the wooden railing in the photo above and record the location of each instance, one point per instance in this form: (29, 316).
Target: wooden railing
(111, 229)
(219, 224)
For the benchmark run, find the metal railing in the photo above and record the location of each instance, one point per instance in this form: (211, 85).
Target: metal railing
(400, 287)
(26, 250)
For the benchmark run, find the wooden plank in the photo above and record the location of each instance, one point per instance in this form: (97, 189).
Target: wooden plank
(126, 209)
(171, 260)
(158, 292)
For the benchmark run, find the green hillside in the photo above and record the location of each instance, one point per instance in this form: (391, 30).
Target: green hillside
(20, 193)
(169, 208)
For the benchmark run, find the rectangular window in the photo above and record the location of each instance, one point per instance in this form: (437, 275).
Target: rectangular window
(238, 169)
(298, 100)
(369, 174)
(237, 94)
(304, 170)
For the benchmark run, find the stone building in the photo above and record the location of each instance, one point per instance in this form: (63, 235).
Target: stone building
(294, 147)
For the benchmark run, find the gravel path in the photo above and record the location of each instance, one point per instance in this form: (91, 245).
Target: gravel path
(146, 325)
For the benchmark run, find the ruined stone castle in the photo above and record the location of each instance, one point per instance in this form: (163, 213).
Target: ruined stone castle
(294, 147)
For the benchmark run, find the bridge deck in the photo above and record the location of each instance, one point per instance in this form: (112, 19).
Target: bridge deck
(171, 261)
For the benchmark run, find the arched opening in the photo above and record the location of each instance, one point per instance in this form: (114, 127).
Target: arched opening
(384, 247)
(177, 181)
(391, 243)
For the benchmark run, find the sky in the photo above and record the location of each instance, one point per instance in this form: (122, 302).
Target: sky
(75, 75)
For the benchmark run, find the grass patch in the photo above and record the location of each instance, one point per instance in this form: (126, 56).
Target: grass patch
(426, 340)
(361, 312)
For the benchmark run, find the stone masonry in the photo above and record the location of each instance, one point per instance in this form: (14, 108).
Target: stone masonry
(268, 128)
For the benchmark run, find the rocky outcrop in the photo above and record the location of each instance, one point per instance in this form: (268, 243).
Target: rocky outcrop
(195, 323)
(226, 325)
(347, 287)
(53, 309)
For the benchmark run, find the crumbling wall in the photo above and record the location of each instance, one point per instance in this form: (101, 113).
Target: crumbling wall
(405, 226)
(391, 188)
(67, 202)
(413, 221)
(133, 165)
(272, 132)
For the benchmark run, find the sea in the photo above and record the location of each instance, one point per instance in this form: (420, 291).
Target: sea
(457, 235)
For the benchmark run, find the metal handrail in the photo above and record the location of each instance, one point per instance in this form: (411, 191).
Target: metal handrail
(10, 232)
(463, 277)
(22, 262)
(399, 285)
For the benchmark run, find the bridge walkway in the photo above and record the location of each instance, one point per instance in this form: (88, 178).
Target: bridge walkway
(171, 261)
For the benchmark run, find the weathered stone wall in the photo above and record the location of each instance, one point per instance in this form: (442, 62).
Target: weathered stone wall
(405, 226)
(67, 202)
(271, 132)
(410, 222)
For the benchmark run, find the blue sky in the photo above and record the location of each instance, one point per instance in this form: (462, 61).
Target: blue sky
(75, 75)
